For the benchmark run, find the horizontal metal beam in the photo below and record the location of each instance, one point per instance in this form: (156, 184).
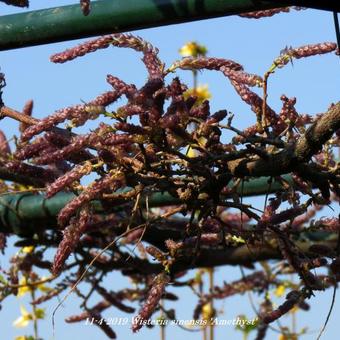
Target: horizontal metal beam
(112, 16)
(26, 213)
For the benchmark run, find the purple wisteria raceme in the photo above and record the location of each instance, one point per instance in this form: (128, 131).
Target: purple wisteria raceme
(120, 86)
(59, 140)
(105, 98)
(151, 302)
(233, 220)
(31, 150)
(98, 321)
(292, 299)
(155, 253)
(212, 225)
(330, 224)
(302, 185)
(111, 181)
(170, 121)
(270, 209)
(114, 300)
(71, 236)
(283, 216)
(82, 49)
(216, 117)
(67, 179)
(288, 110)
(28, 108)
(133, 236)
(151, 61)
(311, 50)
(255, 281)
(115, 139)
(304, 51)
(4, 146)
(264, 13)
(27, 111)
(189, 63)
(200, 111)
(99, 307)
(248, 132)
(208, 239)
(255, 102)
(153, 64)
(265, 307)
(242, 77)
(289, 114)
(146, 95)
(129, 110)
(176, 88)
(130, 128)
(50, 121)
(48, 296)
(77, 145)
(78, 113)
(41, 174)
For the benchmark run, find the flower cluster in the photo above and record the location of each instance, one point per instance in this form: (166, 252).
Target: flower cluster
(151, 301)
(268, 12)
(159, 171)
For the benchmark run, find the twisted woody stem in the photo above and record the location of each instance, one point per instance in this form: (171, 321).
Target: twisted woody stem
(294, 156)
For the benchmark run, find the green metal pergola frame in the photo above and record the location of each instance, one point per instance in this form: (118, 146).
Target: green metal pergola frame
(19, 212)
(112, 16)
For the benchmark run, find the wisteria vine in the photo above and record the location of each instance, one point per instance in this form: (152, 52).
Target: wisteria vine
(143, 151)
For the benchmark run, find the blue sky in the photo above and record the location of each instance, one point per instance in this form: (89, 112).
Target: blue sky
(253, 43)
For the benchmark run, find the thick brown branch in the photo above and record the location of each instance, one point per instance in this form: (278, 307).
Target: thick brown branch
(243, 255)
(28, 120)
(288, 159)
(8, 112)
(318, 134)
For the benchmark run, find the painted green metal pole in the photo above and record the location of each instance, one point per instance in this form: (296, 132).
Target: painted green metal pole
(111, 16)
(24, 214)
